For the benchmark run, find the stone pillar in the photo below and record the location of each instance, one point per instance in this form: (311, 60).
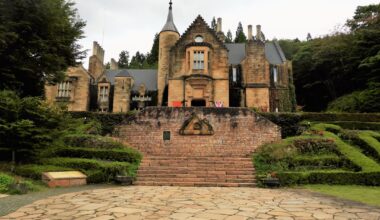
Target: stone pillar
(258, 32)
(219, 25)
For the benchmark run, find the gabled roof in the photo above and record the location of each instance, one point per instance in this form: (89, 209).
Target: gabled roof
(200, 20)
(148, 77)
(236, 53)
(274, 53)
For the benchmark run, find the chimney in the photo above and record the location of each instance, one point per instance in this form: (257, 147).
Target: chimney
(98, 51)
(250, 36)
(258, 32)
(219, 25)
(114, 64)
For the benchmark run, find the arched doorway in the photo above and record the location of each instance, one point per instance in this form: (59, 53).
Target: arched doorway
(198, 103)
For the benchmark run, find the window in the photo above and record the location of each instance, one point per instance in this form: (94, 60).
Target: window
(104, 94)
(64, 89)
(234, 74)
(199, 60)
(198, 39)
(275, 75)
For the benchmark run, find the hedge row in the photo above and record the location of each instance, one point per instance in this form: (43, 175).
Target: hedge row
(92, 141)
(321, 161)
(124, 155)
(363, 139)
(339, 178)
(108, 120)
(291, 125)
(35, 171)
(109, 169)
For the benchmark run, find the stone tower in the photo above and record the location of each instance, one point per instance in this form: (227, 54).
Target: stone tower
(168, 37)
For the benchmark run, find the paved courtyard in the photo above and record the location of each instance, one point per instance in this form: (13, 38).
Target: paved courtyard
(140, 202)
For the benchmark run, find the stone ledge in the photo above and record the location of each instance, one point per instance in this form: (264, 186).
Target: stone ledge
(64, 179)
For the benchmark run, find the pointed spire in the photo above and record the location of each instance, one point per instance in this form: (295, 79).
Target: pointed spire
(170, 26)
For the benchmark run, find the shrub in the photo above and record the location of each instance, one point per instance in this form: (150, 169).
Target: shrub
(5, 182)
(330, 177)
(124, 155)
(34, 171)
(357, 125)
(110, 169)
(92, 141)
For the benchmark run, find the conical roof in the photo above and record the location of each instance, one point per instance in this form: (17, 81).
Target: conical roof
(170, 26)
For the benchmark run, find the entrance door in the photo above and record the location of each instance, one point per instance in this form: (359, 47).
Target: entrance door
(198, 103)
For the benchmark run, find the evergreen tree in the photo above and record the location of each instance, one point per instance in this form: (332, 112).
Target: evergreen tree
(38, 42)
(108, 66)
(309, 38)
(229, 37)
(138, 61)
(240, 36)
(123, 61)
(152, 57)
(213, 24)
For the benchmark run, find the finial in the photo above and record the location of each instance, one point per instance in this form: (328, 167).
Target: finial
(170, 3)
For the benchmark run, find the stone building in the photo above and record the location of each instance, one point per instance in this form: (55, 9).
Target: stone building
(196, 68)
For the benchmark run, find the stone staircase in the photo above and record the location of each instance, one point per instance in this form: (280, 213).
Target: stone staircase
(207, 171)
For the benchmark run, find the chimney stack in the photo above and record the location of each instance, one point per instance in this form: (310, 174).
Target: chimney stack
(250, 35)
(219, 25)
(258, 32)
(98, 51)
(114, 64)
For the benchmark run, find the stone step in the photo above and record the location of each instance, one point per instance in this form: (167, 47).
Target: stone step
(204, 168)
(194, 184)
(195, 180)
(200, 164)
(200, 175)
(197, 158)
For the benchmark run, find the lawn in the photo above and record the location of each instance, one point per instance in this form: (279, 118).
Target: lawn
(365, 194)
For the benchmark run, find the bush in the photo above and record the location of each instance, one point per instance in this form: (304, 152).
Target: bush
(110, 169)
(357, 125)
(107, 121)
(92, 141)
(330, 177)
(34, 171)
(124, 155)
(5, 182)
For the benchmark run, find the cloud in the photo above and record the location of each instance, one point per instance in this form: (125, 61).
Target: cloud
(131, 25)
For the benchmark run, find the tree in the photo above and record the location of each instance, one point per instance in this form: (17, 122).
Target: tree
(229, 37)
(123, 61)
(240, 36)
(309, 38)
(365, 17)
(38, 41)
(108, 66)
(152, 57)
(138, 61)
(213, 24)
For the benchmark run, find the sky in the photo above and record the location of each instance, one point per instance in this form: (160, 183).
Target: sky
(131, 24)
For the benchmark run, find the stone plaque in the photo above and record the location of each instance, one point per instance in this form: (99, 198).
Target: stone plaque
(196, 126)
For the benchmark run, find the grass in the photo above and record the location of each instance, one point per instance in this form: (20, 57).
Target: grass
(10, 184)
(365, 194)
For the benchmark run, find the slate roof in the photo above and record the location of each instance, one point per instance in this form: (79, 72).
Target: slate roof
(273, 53)
(236, 53)
(146, 76)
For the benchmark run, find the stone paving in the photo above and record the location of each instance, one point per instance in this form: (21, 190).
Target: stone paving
(144, 202)
(3, 196)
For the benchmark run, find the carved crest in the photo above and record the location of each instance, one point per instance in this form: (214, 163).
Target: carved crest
(195, 126)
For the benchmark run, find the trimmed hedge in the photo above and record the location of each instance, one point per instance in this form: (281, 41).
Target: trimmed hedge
(124, 155)
(109, 169)
(35, 171)
(291, 125)
(363, 139)
(92, 141)
(108, 121)
(330, 177)
(320, 161)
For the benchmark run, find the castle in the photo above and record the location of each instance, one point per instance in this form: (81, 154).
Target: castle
(196, 68)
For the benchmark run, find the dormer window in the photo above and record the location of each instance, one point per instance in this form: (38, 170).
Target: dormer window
(64, 89)
(199, 39)
(199, 60)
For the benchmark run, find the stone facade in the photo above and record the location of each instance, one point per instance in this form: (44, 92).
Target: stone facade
(197, 68)
(235, 131)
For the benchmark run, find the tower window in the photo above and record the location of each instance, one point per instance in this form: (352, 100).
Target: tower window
(199, 60)
(234, 74)
(64, 89)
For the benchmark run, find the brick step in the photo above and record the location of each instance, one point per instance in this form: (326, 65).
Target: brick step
(195, 180)
(194, 184)
(198, 168)
(200, 175)
(200, 164)
(153, 158)
(198, 154)
(194, 172)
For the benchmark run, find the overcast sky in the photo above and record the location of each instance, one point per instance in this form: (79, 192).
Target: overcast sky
(131, 24)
